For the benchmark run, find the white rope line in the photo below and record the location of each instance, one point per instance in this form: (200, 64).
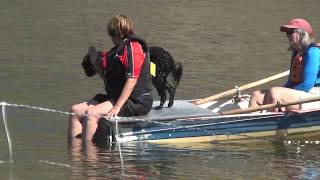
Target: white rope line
(39, 108)
(174, 126)
(119, 147)
(69, 113)
(58, 111)
(3, 108)
(4, 104)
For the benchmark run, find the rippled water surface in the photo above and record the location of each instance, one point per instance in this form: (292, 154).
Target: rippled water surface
(221, 44)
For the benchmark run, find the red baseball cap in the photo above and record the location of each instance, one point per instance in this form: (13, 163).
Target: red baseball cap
(297, 24)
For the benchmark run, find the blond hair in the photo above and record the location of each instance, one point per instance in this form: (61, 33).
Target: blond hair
(304, 40)
(120, 26)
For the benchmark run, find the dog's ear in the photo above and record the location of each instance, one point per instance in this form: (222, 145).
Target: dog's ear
(87, 66)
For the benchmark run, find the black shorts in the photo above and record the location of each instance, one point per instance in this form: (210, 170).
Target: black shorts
(134, 106)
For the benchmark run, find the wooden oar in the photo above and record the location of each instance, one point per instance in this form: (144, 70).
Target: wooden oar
(267, 106)
(241, 88)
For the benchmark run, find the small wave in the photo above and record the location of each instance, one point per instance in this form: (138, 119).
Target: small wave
(55, 163)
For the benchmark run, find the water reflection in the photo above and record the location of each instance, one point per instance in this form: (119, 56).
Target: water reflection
(93, 162)
(221, 161)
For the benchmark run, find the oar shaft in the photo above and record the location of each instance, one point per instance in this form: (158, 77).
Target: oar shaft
(241, 88)
(263, 81)
(268, 106)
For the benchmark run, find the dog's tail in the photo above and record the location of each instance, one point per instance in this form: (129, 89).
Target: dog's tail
(177, 73)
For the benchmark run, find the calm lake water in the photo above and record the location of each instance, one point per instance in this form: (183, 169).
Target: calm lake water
(221, 44)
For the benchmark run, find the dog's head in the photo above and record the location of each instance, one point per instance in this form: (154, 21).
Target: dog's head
(87, 66)
(91, 61)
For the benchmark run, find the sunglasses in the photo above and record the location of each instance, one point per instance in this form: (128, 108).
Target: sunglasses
(290, 31)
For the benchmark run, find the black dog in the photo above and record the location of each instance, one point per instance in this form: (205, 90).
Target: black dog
(165, 65)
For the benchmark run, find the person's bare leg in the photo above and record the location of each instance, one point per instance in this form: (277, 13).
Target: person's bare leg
(75, 126)
(91, 123)
(257, 98)
(283, 95)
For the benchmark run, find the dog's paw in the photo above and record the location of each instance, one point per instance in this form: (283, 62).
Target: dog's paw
(170, 104)
(158, 107)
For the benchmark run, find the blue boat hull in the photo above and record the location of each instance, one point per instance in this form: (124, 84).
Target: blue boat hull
(220, 128)
(185, 122)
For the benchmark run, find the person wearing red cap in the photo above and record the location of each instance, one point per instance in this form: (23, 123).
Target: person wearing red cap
(304, 74)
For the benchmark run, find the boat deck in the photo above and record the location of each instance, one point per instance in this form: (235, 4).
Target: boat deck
(181, 109)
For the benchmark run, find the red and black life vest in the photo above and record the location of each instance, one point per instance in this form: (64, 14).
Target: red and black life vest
(297, 66)
(296, 69)
(116, 74)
